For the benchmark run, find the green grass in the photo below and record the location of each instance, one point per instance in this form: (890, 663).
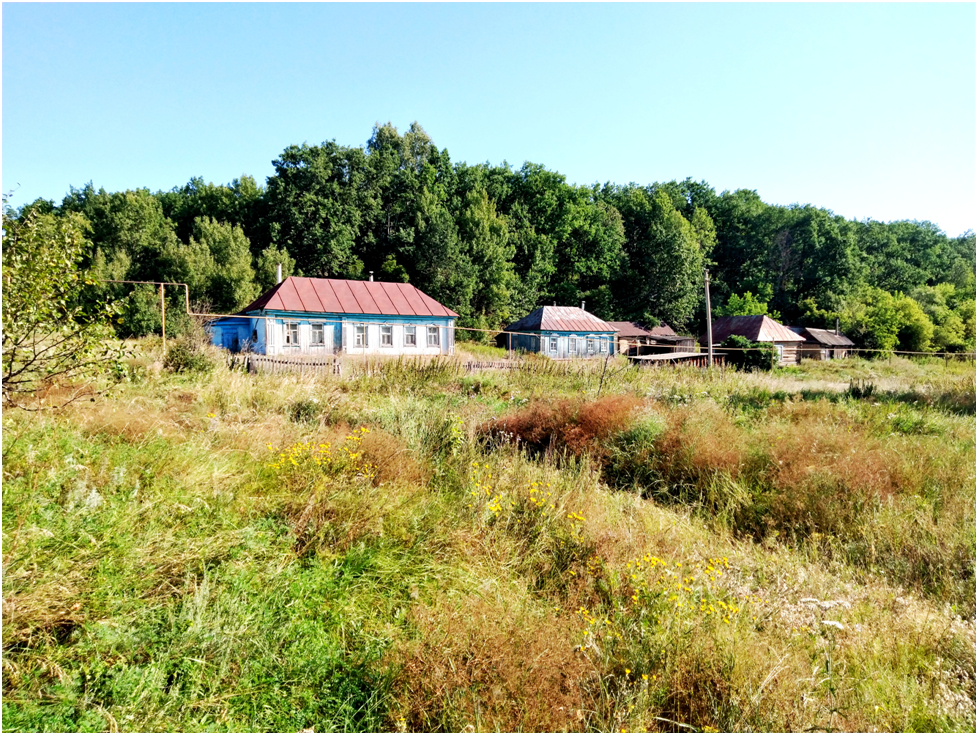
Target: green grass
(164, 570)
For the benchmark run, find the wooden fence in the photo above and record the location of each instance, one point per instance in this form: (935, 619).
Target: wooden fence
(334, 366)
(264, 364)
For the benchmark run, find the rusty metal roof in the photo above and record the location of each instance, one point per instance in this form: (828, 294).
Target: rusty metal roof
(823, 336)
(338, 296)
(560, 319)
(754, 328)
(635, 329)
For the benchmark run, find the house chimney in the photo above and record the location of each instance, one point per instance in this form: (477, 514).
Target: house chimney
(371, 275)
(837, 326)
(582, 306)
(278, 273)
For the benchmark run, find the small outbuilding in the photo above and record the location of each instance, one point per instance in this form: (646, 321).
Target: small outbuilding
(328, 316)
(634, 338)
(759, 329)
(823, 344)
(561, 332)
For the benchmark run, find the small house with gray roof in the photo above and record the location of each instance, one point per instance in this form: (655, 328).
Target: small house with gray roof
(328, 316)
(823, 344)
(560, 332)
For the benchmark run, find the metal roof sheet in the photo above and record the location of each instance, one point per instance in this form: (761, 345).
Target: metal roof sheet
(327, 296)
(754, 328)
(339, 296)
(560, 319)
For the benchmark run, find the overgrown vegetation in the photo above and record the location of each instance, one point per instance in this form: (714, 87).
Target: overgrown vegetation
(413, 547)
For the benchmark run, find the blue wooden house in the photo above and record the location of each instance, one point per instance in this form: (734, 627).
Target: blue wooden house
(328, 316)
(560, 332)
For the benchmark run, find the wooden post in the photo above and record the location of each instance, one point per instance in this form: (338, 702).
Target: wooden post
(163, 318)
(709, 320)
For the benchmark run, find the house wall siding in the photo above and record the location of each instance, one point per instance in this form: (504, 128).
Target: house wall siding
(339, 334)
(565, 344)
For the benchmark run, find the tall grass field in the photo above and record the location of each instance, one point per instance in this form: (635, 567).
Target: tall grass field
(552, 547)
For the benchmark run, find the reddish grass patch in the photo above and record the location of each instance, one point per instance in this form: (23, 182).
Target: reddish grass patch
(575, 426)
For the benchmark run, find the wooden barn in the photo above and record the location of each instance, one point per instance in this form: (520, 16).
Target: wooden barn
(634, 338)
(328, 316)
(823, 344)
(759, 329)
(561, 332)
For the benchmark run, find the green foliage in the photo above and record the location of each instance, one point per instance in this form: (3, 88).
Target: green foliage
(185, 356)
(748, 355)
(390, 270)
(52, 334)
(266, 267)
(485, 239)
(871, 319)
(141, 315)
(665, 260)
(746, 305)
(316, 203)
(493, 243)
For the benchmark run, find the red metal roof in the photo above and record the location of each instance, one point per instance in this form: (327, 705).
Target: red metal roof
(560, 319)
(754, 328)
(338, 296)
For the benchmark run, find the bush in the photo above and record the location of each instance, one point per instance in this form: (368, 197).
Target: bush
(747, 354)
(186, 356)
(566, 425)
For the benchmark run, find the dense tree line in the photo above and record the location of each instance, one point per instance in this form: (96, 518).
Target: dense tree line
(494, 242)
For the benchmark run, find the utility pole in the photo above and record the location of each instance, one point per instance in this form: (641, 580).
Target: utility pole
(709, 319)
(163, 318)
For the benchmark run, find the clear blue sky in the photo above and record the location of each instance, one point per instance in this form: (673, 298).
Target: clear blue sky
(865, 109)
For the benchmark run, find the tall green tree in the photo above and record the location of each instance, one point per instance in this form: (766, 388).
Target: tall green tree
(318, 202)
(484, 237)
(665, 264)
(216, 264)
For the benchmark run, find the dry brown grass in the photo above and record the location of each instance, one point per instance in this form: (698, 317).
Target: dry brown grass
(48, 611)
(491, 666)
(575, 426)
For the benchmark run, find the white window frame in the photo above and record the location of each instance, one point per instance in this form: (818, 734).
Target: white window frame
(602, 345)
(317, 334)
(292, 334)
(360, 335)
(590, 345)
(386, 335)
(553, 344)
(433, 332)
(411, 336)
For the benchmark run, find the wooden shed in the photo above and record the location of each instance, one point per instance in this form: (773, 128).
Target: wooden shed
(759, 329)
(634, 338)
(823, 344)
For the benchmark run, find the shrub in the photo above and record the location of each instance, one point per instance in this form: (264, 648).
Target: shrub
(185, 356)
(574, 426)
(746, 355)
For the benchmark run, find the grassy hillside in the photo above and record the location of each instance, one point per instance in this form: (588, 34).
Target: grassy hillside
(422, 549)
